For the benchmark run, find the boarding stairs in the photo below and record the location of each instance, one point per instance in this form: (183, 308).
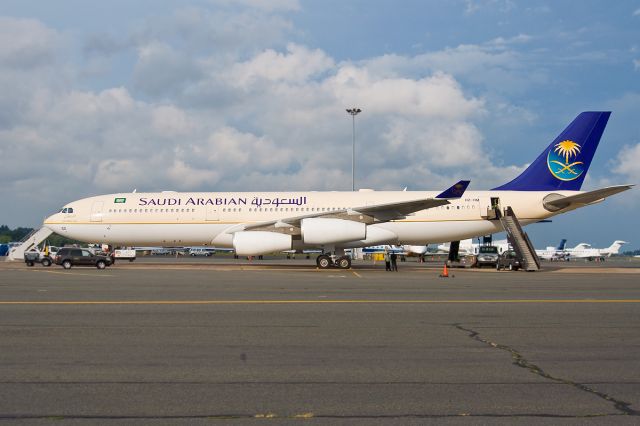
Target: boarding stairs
(519, 240)
(29, 242)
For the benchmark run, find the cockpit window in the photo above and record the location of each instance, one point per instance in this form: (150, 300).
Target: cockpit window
(70, 210)
(64, 210)
(67, 210)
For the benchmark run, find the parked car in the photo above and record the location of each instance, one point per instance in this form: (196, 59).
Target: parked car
(200, 251)
(69, 256)
(160, 252)
(487, 256)
(508, 260)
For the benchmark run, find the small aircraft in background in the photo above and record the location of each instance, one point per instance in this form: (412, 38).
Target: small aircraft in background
(554, 253)
(585, 251)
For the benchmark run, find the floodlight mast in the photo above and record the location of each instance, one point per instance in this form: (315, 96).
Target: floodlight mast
(353, 111)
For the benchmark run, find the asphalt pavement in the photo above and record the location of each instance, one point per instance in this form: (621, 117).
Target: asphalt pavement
(190, 342)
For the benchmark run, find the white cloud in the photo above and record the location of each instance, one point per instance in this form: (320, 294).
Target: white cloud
(636, 64)
(628, 162)
(212, 118)
(26, 43)
(298, 65)
(269, 5)
(636, 12)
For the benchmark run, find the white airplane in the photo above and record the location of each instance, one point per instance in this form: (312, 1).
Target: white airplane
(256, 223)
(585, 251)
(554, 253)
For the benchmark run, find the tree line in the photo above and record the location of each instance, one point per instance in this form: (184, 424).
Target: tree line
(8, 235)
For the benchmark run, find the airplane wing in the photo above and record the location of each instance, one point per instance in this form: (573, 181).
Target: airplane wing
(391, 211)
(368, 214)
(590, 197)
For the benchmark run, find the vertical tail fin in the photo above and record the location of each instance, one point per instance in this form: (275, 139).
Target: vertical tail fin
(564, 163)
(615, 247)
(562, 244)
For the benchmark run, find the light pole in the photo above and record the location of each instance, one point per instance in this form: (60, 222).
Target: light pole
(353, 111)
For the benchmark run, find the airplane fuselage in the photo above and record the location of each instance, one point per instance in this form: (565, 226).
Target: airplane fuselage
(189, 218)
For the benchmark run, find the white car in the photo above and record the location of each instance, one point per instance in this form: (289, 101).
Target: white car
(200, 251)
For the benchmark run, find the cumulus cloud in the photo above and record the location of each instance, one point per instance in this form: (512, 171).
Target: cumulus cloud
(230, 116)
(26, 43)
(628, 162)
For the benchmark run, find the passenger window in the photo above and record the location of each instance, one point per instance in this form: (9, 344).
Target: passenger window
(76, 252)
(85, 253)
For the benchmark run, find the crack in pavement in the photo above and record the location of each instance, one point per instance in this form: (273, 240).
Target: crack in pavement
(521, 361)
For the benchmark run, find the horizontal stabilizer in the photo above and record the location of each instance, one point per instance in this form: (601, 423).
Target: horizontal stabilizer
(455, 191)
(559, 202)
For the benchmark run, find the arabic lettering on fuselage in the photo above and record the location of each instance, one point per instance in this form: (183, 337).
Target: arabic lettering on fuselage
(224, 201)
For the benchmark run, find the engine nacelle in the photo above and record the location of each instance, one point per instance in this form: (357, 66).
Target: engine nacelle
(253, 243)
(317, 230)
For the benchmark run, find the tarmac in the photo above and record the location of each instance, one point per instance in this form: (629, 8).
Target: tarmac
(224, 341)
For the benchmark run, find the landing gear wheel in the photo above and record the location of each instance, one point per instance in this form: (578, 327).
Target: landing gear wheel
(344, 262)
(323, 261)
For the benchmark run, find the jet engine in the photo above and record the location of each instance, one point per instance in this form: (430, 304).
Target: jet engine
(253, 243)
(317, 230)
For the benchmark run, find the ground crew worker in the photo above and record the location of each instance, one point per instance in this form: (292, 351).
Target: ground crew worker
(394, 262)
(387, 260)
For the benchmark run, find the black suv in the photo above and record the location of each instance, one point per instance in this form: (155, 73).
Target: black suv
(508, 260)
(68, 257)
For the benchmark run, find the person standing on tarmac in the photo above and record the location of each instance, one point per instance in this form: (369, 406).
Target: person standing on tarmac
(387, 260)
(394, 262)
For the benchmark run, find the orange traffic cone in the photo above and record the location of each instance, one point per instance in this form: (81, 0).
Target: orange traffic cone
(445, 272)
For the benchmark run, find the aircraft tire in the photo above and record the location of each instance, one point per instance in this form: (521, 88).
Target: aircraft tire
(323, 261)
(344, 262)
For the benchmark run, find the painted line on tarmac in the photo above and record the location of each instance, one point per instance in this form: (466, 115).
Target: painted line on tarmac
(356, 274)
(69, 273)
(314, 302)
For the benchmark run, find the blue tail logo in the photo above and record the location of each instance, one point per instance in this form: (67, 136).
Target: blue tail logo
(563, 165)
(564, 170)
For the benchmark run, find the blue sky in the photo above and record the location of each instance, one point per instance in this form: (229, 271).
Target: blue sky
(250, 95)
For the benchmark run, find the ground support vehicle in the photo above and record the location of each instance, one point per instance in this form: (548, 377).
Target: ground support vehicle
(33, 257)
(125, 254)
(487, 256)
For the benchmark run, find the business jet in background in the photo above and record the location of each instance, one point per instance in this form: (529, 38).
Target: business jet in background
(554, 253)
(256, 223)
(585, 251)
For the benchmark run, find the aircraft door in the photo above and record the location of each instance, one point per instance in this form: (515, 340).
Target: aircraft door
(488, 207)
(213, 213)
(96, 211)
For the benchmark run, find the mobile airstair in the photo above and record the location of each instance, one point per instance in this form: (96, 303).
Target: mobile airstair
(519, 240)
(28, 242)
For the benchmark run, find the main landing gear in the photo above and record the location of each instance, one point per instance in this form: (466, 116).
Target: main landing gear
(325, 261)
